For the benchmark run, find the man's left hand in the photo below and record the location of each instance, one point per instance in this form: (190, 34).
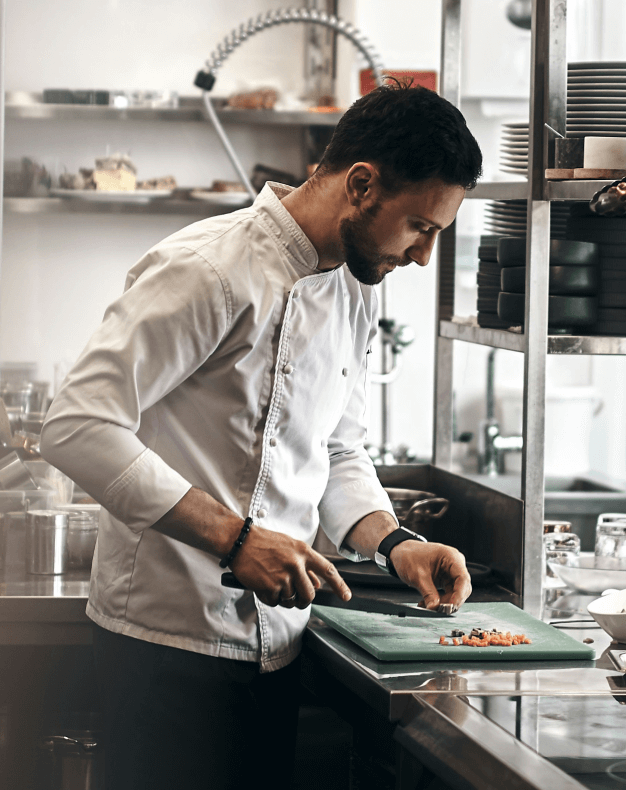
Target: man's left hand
(429, 566)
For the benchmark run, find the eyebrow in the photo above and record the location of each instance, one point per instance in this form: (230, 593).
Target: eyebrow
(426, 221)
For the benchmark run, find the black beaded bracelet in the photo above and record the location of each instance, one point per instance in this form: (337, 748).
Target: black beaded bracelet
(237, 544)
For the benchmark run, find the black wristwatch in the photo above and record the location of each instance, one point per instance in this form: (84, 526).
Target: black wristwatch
(382, 559)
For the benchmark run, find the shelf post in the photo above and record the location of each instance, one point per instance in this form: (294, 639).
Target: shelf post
(548, 68)
(2, 101)
(450, 89)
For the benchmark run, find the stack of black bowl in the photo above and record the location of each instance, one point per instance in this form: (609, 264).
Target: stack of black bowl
(488, 279)
(506, 218)
(573, 284)
(609, 233)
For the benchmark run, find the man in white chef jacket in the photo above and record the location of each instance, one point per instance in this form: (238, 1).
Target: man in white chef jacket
(217, 414)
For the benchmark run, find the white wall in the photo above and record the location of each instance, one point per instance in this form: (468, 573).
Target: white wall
(59, 272)
(145, 44)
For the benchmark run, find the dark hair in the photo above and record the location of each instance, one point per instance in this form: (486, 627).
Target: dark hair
(411, 133)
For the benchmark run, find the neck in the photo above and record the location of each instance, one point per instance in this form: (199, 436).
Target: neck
(317, 207)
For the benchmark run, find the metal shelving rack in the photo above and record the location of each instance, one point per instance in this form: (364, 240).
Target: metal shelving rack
(547, 105)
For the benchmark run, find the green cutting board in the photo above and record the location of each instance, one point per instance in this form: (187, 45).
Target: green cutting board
(391, 638)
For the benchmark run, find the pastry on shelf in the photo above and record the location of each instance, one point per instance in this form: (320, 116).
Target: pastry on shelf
(115, 173)
(227, 186)
(165, 182)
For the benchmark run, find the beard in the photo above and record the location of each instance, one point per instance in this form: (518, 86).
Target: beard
(363, 258)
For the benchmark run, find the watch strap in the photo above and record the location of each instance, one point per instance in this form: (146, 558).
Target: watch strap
(382, 558)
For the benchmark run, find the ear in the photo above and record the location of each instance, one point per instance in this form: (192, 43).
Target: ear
(362, 185)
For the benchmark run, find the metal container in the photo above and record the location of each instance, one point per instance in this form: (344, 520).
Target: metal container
(46, 542)
(13, 540)
(73, 760)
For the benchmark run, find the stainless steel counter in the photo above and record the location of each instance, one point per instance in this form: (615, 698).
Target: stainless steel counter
(553, 725)
(44, 610)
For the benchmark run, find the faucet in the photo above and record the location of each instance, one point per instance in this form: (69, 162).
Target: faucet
(492, 447)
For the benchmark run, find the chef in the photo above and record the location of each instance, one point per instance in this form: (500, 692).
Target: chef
(218, 415)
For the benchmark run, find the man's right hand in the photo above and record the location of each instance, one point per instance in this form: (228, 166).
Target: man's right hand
(283, 571)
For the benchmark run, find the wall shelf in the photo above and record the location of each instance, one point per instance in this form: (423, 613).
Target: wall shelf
(191, 108)
(159, 206)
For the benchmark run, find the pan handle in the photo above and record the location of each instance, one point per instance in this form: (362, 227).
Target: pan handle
(416, 509)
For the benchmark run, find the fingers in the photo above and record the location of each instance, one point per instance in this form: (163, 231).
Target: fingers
(432, 565)
(314, 580)
(325, 570)
(459, 586)
(429, 591)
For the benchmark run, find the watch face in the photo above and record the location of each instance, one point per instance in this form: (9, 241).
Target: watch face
(381, 561)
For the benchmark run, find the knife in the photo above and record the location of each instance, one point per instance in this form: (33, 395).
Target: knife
(362, 603)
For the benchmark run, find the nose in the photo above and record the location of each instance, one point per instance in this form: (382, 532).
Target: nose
(420, 253)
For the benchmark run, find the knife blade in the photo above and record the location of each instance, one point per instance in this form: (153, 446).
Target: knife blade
(362, 603)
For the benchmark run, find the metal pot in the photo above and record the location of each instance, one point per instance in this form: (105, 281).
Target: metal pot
(416, 509)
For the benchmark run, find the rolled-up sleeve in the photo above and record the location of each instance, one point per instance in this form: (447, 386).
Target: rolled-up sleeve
(353, 490)
(174, 312)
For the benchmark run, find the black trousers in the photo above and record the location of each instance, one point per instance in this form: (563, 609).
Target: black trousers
(177, 719)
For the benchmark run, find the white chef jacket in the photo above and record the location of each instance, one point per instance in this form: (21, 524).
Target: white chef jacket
(232, 364)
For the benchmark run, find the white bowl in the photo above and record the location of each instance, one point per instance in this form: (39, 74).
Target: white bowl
(609, 612)
(589, 574)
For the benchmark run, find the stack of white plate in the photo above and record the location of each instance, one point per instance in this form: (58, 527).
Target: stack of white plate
(508, 218)
(596, 107)
(596, 99)
(514, 147)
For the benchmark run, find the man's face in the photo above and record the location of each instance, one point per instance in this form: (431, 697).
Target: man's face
(398, 230)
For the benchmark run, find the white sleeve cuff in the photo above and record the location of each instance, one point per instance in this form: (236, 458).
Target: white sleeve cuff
(145, 492)
(347, 504)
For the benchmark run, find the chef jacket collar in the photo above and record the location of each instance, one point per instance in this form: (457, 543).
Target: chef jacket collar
(283, 226)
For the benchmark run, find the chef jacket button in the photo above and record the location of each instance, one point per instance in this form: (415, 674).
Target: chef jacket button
(288, 369)
(261, 512)
(273, 442)
(344, 372)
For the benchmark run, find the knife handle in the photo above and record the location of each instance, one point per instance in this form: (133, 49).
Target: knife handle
(230, 580)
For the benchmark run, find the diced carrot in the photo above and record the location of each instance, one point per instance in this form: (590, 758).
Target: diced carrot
(456, 642)
(527, 641)
(442, 640)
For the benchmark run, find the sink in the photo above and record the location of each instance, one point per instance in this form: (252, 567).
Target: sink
(577, 499)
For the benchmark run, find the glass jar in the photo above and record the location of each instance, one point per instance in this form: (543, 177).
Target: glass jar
(611, 537)
(560, 545)
(81, 537)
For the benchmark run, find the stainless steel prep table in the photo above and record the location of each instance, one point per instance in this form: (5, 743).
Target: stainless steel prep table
(474, 725)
